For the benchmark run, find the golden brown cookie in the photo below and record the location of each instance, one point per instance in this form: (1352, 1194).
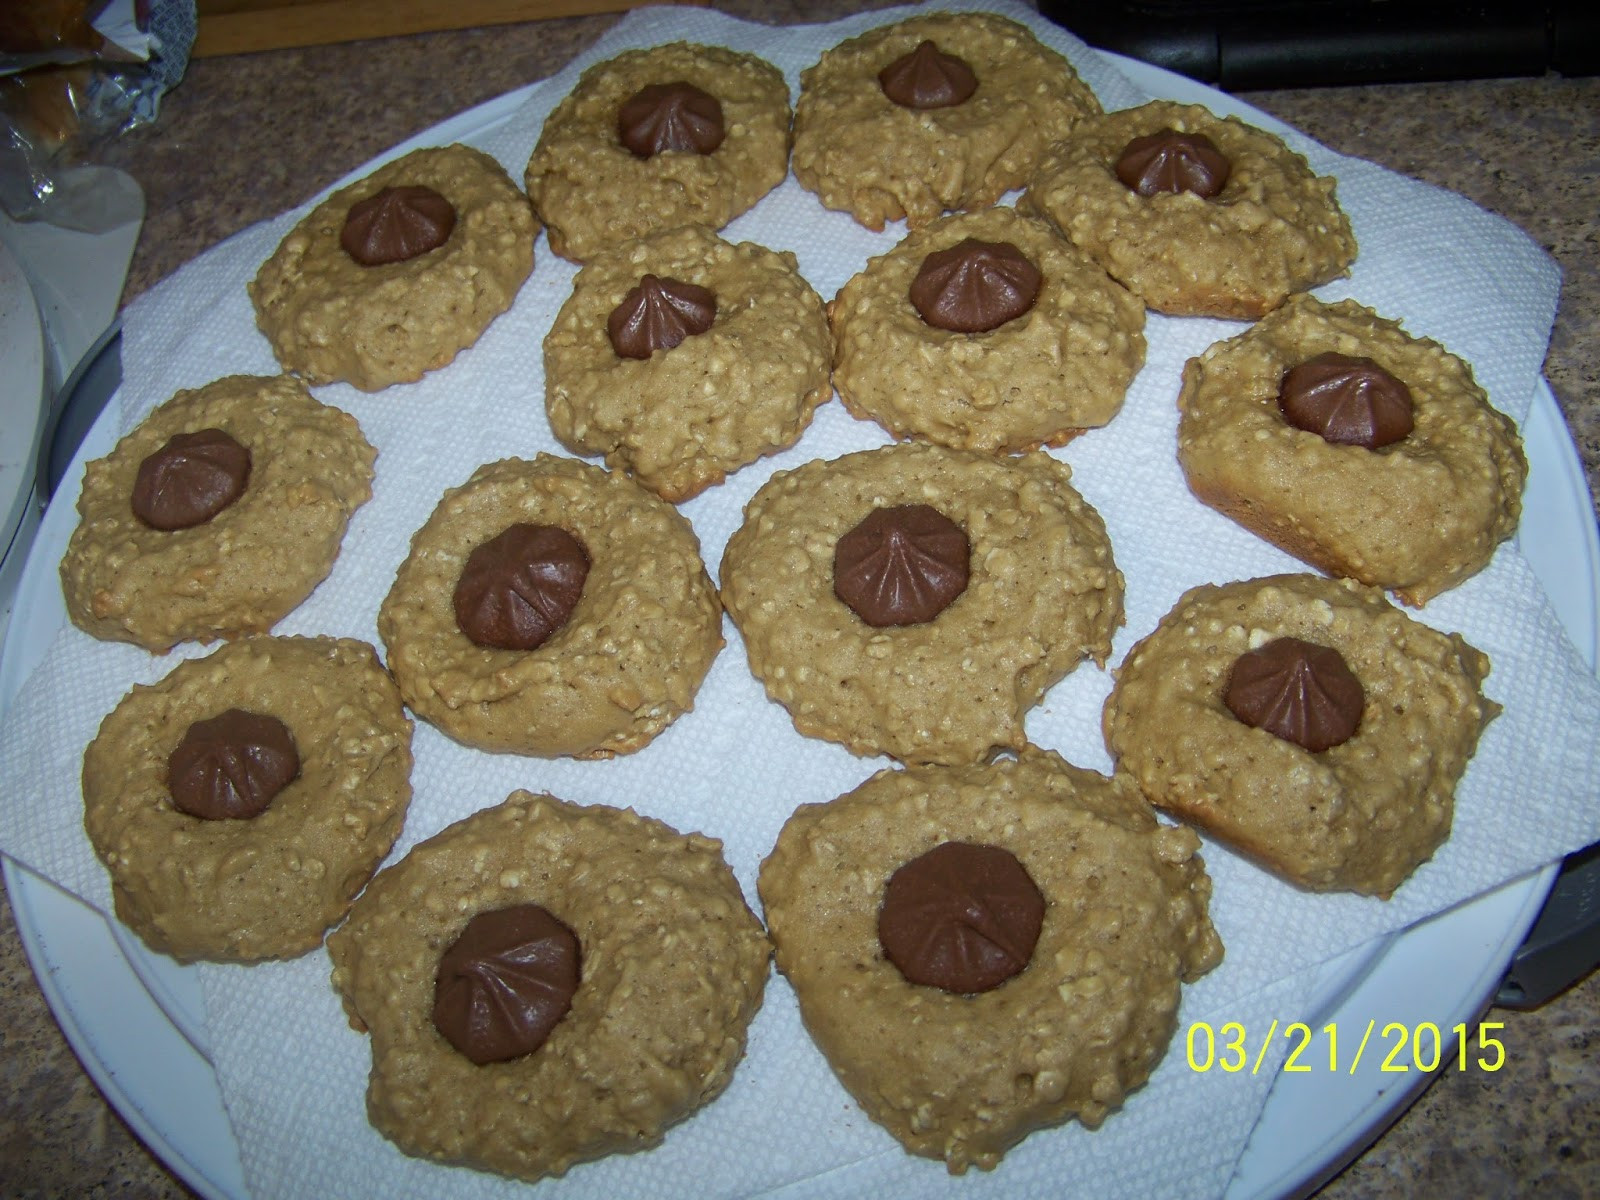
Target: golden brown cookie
(295, 469)
(1274, 228)
(964, 1077)
(672, 962)
(1416, 515)
(1040, 593)
(743, 381)
(1039, 378)
(880, 160)
(1354, 815)
(246, 888)
(632, 645)
(593, 191)
(331, 316)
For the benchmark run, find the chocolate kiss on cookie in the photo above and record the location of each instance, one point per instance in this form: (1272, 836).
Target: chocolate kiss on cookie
(505, 983)
(397, 224)
(902, 565)
(192, 478)
(232, 766)
(1170, 161)
(962, 917)
(658, 314)
(1301, 692)
(1347, 401)
(928, 78)
(975, 286)
(670, 116)
(518, 588)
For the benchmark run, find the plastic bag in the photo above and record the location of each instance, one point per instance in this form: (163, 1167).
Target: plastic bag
(73, 75)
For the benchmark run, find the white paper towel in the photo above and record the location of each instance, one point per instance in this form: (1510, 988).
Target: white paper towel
(292, 1072)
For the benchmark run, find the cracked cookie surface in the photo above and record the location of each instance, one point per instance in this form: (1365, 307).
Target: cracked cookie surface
(684, 418)
(591, 191)
(1359, 816)
(1037, 380)
(1416, 517)
(1275, 228)
(266, 887)
(863, 154)
(1043, 595)
(254, 561)
(674, 966)
(965, 1077)
(622, 668)
(330, 318)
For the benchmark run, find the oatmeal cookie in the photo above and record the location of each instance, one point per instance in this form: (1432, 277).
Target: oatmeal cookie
(1358, 814)
(250, 482)
(1416, 515)
(625, 647)
(1273, 227)
(965, 1076)
(1038, 378)
(631, 151)
(671, 965)
(167, 797)
(1023, 590)
(749, 370)
(394, 275)
(881, 159)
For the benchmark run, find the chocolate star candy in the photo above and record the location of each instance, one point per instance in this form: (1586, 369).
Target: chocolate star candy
(670, 116)
(232, 766)
(975, 286)
(1300, 691)
(396, 224)
(658, 314)
(928, 78)
(1169, 161)
(522, 585)
(505, 983)
(192, 478)
(1347, 401)
(902, 565)
(962, 917)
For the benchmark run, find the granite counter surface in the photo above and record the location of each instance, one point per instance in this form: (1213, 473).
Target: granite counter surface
(243, 138)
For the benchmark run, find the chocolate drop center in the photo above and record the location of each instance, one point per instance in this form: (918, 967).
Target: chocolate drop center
(519, 588)
(190, 479)
(901, 565)
(963, 917)
(506, 982)
(232, 766)
(1297, 690)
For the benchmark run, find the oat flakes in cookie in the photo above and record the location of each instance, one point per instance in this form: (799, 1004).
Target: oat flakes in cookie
(240, 803)
(1307, 723)
(649, 967)
(216, 516)
(1090, 915)
(942, 111)
(551, 608)
(1195, 214)
(1332, 433)
(682, 357)
(394, 275)
(986, 331)
(917, 601)
(679, 134)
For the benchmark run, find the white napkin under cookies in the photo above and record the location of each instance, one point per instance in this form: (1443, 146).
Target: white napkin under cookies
(291, 1071)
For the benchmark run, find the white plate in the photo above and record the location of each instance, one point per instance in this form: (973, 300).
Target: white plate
(137, 1023)
(22, 396)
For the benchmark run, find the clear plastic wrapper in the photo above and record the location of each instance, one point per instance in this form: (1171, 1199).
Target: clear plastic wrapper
(75, 74)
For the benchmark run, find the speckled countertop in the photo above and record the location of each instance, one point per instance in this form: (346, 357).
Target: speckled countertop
(244, 138)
